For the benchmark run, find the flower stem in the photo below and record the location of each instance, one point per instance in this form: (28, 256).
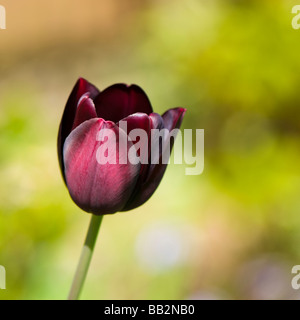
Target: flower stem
(85, 258)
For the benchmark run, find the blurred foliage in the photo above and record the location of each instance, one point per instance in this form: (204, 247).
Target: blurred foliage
(232, 232)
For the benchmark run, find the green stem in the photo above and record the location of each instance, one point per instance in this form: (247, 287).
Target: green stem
(85, 258)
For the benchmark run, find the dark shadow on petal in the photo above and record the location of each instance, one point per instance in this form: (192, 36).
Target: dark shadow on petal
(119, 101)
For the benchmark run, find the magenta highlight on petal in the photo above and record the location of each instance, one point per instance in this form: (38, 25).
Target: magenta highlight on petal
(109, 157)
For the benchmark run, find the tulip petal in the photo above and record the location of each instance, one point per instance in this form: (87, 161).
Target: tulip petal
(170, 120)
(173, 118)
(119, 101)
(85, 110)
(81, 87)
(98, 188)
(136, 121)
(139, 121)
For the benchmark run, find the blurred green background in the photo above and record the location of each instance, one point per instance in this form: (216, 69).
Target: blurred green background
(232, 232)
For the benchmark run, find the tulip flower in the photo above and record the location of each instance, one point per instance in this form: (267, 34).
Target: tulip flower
(109, 187)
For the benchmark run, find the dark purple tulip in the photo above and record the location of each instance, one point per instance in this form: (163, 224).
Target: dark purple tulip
(109, 188)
